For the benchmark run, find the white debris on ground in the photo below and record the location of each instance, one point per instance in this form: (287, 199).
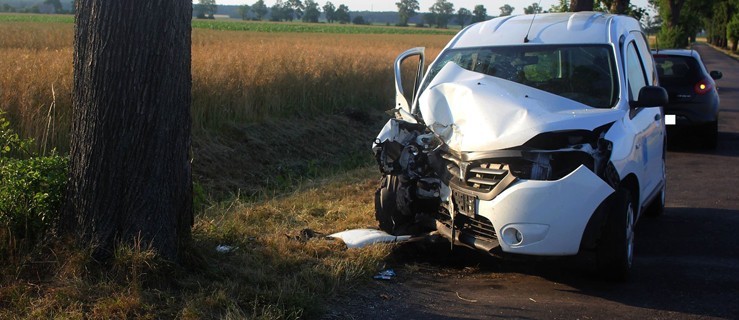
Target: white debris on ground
(359, 238)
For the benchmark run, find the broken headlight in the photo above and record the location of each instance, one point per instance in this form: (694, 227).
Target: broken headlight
(550, 165)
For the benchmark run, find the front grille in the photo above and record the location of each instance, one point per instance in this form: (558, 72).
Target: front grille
(478, 226)
(484, 180)
(486, 176)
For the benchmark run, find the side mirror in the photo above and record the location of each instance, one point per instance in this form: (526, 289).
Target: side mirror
(650, 96)
(404, 99)
(716, 75)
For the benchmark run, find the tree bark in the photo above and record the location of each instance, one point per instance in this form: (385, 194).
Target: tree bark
(130, 175)
(581, 5)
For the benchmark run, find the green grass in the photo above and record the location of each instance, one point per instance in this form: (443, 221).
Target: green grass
(255, 26)
(311, 28)
(46, 18)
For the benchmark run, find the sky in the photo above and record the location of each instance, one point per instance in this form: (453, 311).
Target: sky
(389, 5)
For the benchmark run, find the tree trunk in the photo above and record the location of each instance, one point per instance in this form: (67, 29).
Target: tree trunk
(130, 174)
(676, 7)
(581, 5)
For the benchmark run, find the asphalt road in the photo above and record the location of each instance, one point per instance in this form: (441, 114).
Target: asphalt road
(686, 261)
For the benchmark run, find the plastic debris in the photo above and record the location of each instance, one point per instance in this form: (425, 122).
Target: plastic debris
(224, 249)
(468, 300)
(359, 238)
(386, 274)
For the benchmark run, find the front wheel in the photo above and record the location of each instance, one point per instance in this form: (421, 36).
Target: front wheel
(615, 253)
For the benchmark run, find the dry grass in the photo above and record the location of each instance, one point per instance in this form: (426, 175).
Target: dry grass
(271, 273)
(237, 76)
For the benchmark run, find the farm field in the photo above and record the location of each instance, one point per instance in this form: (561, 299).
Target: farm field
(240, 79)
(282, 120)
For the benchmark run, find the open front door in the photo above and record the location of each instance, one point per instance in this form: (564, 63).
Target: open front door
(406, 85)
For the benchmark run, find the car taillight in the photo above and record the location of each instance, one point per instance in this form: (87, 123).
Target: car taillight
(703, 87)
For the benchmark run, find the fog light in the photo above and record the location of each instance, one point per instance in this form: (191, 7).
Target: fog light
(512, 236)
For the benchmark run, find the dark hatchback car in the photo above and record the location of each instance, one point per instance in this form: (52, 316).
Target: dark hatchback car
(694, 100)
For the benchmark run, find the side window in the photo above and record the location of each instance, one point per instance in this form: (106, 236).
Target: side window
(642, 46)
(635, 72)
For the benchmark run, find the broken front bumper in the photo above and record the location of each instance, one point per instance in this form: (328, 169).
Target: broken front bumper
(529, 217)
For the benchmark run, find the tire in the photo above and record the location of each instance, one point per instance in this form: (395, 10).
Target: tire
(389, 217)
(615, 252)
(385, 205)
(710, 135)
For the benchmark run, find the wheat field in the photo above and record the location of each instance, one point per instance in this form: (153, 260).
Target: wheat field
(237, 76)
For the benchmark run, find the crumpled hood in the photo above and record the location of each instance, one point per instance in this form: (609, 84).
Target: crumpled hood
(471, 111)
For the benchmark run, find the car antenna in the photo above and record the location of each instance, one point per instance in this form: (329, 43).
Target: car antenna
(526, 38)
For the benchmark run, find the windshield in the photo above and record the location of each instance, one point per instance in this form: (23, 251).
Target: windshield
(584, 73)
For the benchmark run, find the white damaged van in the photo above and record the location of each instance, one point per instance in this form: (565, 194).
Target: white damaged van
(532, 134)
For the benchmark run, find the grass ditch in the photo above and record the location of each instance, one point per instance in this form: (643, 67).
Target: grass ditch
(272, 271)
(279, 264)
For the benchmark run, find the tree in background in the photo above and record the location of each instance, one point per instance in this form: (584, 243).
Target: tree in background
(244, 11)
(732, 32)
(282, 11)
(717, 21)
(672, 35)
(312, 13)
(581, 5)
(563, 6)
(260, 9)
(406, 9)
(617, 6)
(359, 20)
(463, 15)
(506, 10)
(57, 4)
(130, 178)
(205, 9)
(442, 11)
(533, 8)
(479, 14)
(342, 14)
(330, 10)
(429, 18)
(297, 9)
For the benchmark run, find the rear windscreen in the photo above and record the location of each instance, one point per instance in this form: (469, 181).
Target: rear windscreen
(677, 70)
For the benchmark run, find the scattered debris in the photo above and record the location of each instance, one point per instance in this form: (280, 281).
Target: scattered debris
(359, 238)
(386, 297)
(532, 299)
(304, 235)
(468, 300)
(386, 274)
(225, 249)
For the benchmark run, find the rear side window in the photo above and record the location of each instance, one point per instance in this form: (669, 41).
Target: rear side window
(677, 70)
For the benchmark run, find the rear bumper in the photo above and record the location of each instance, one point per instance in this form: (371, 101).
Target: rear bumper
(693, 114)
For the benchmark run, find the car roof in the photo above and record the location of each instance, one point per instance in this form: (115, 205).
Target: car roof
(676, 52)
(548, 28)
